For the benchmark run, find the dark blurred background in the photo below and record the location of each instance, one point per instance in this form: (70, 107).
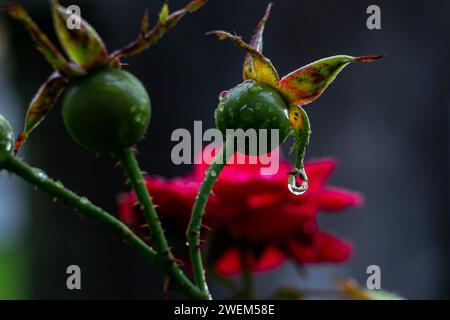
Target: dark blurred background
(386, 123)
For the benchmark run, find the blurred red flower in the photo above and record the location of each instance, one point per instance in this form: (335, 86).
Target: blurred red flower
(253, 216)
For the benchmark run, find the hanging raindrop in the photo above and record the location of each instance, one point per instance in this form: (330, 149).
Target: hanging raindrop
(294, 185)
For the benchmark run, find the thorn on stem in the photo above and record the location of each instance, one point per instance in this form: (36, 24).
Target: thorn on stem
(206, 227)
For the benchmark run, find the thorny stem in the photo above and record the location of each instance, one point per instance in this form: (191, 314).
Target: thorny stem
(195, 223)
(164, 253)
(56, 190)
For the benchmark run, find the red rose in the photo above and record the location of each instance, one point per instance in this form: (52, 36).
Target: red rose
(253, 215)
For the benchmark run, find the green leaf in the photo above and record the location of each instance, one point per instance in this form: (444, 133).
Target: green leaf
(44, 45)
(158, 31)
(41, 105)
(257, 43)
(145, 23)
(309, 82)
(83, 45)
(164, 13)
(260, 69)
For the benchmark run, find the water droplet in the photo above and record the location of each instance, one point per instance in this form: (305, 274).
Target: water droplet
(255, 89)
(84, 200)
(9, 146)
(187, 244)
(213, 173)
(294, 185)
(139, 118)
(41, 175)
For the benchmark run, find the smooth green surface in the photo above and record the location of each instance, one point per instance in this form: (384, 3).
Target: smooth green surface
(253, 105)
(107, 111)
(13, 274)
(6, 140)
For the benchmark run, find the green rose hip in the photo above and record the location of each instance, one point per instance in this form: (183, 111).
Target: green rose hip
(253, 105)
(107, 111)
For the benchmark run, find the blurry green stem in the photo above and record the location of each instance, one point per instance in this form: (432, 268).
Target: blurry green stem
(246, 275)
(56, 190)
(195, 223)
(165, 257)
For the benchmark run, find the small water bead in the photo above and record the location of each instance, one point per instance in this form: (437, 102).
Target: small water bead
(246, 108)
(213, 173)
(7, 145)
(41, 175)
(59, 184)
(255, 89)
(247, 113)
(84, 201)
(295, 187)
(221, 106)
(140, 118)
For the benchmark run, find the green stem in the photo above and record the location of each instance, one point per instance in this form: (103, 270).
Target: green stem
(165, 256)
(195, 223)
(246, 275)
(56, 190)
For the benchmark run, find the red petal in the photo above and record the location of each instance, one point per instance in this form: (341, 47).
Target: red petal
(229, 264)
(337, 199)
(125, 209)
(278, 223)
(174, 198)
(323, 248)
(242, 167)
(319, 171)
